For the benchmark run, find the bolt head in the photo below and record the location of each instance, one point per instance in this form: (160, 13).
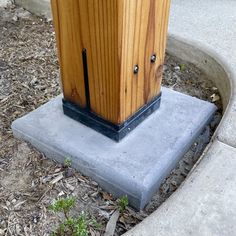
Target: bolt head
(153, 58)
(136, 69)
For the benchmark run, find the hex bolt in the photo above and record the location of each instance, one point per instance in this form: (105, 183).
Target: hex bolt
(136, 69)
(153, 58)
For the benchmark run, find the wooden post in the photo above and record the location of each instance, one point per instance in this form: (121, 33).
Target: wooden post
(111, 55)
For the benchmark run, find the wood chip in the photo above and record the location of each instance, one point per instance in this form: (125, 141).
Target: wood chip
(19, 204)
(111, 225)
(57, 179)
(70, 187)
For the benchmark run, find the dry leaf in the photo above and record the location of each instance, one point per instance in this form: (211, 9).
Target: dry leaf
(92, 233)
(111, 225)
(107, 196)
(215, 97)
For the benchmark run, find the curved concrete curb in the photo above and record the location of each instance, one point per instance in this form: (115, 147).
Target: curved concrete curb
(210, 25)
(202, 32)
(217, 71)
(38, 7)
(206, 60)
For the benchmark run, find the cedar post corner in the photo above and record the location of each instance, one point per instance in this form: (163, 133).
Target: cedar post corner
(111, 55)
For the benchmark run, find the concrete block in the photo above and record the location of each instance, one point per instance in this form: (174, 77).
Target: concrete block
(138, 164)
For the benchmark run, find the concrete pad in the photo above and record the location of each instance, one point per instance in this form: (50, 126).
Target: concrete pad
(138, 164)
(204, 205)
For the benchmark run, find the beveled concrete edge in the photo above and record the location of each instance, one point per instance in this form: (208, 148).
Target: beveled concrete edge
(196, 53)
(88, 171)
(139, 191)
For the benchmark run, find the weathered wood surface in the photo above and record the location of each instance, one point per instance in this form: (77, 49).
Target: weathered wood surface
(117, 35)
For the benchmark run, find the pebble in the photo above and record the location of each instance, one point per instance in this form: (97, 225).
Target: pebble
(33, 81)
(61, 194)
(15, 18)
(177, 68)
(174, 183)
(13, 201)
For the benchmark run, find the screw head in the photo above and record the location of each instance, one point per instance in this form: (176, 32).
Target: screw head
(153, 58)
(136, 69)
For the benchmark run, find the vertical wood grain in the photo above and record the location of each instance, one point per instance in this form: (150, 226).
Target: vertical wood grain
(117, 35)
(68, 40)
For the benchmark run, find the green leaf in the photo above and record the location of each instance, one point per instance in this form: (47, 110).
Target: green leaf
(123, 202)
(182, 67)
(63, 205)
(94, 224)
(67, 162)
(81, 226)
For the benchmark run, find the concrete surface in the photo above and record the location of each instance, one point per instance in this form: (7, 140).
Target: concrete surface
(139, 163)
(204, 205)
(203, 32)
(212, 23)
(206, 60)
(38, 7)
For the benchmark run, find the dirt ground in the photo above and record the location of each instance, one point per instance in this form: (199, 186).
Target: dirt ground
(29, 182)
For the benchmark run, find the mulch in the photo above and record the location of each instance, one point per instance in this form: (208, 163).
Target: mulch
(29, 182)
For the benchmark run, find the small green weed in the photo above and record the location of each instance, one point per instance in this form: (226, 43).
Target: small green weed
(67, 163)
(63, 205)
(123, 202)
(74, 226)
(182, 67)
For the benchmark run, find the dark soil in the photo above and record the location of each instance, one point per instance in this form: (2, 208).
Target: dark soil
(29, 182)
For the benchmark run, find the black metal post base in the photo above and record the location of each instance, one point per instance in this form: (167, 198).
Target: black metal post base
(113, 131)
